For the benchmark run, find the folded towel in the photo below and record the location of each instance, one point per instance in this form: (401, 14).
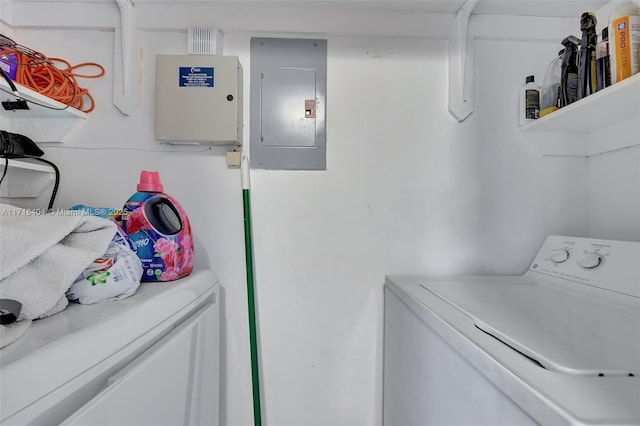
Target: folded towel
(41, 255)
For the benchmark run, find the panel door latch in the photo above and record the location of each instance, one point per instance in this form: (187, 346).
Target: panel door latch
(310, 108)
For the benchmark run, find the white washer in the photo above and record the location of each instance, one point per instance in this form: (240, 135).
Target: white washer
(559, 344)
(149, 359)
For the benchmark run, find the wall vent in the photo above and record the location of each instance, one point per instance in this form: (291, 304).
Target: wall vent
(204, 41)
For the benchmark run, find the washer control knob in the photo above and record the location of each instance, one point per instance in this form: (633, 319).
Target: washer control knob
(559, 255)
(590, 261)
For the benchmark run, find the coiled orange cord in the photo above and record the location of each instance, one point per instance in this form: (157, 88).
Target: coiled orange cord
(56, 83)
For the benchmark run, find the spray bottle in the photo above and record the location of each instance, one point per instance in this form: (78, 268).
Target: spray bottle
(569, 80)
(587, 58)
(549, 100)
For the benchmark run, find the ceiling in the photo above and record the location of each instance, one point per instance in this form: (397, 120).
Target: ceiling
(543, 8)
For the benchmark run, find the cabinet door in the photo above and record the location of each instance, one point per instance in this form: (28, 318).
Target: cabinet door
(157, 387)
(205, 391)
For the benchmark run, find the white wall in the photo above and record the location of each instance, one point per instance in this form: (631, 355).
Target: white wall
(407, 190)
(614, 192)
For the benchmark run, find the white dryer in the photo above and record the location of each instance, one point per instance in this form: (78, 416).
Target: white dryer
(559, 344)
(150, 359)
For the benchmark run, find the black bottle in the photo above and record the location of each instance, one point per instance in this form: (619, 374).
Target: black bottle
(587, 58)
(569, 80)
(603, 68)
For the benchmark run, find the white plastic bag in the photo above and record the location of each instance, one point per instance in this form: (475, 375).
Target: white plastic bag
(114, 276)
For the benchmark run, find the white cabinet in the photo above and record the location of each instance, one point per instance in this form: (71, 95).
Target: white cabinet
(150, 359)
(580, 129)
(25, 178)
(163, 386)
(46, 120)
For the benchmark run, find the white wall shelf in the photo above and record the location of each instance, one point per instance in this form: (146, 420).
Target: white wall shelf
(566, 131)
(25, 179)
(53, 123)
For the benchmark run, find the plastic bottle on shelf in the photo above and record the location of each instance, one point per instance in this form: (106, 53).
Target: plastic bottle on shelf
(603, 68)
(551, 86)
(587, 57)
(624, 39)
(569, 78)
(529, 101)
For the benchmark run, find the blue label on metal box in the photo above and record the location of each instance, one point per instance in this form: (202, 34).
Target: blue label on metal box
(196, 77)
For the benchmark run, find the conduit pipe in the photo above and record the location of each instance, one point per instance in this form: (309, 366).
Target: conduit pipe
(127, 61)
(248, 246)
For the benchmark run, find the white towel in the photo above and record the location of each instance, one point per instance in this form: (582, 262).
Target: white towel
(42, 254)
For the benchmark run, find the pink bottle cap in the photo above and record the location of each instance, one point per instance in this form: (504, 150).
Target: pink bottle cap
(149, 182)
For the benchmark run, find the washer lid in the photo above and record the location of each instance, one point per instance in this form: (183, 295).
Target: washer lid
(562, 330)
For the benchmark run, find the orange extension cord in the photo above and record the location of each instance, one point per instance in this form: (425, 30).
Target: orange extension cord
(56, 83)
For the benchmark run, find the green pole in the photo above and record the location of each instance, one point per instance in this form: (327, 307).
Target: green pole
(253, 335)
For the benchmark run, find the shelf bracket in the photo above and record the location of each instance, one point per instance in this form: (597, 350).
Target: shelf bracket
(127, 64)
(461, 64)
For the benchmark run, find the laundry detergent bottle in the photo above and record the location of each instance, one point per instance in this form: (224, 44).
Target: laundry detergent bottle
(159, 229)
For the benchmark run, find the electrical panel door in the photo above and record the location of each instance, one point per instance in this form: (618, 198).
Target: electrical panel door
(288, 103)
(285, 119)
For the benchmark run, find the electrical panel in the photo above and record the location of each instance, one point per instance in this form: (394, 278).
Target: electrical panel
(288, 103)
(198, 99)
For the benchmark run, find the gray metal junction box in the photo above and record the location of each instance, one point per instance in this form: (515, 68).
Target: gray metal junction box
(198, 99)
